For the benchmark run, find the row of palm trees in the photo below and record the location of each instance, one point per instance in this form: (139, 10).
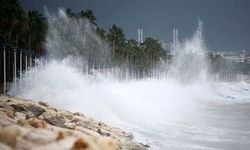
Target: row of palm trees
(126, 51)
(28, 30)
(140, 55)
(21, 29)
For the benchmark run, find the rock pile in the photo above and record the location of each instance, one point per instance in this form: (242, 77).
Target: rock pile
(28, 125)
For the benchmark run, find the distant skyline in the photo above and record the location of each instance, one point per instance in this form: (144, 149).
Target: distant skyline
(226, 22)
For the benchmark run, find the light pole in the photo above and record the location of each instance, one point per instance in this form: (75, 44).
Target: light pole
(4, 71)
(26, 62)
(30, 61)
(15, 67)
(21, 64)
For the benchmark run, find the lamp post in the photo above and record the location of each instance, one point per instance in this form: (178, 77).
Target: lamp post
(15, 77)
(21, 63)
(30, 61)
(26, 62)
(4, 71)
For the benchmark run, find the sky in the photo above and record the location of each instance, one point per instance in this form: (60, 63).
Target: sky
(226, 22)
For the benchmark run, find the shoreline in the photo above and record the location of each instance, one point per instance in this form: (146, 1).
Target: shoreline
(26, 124)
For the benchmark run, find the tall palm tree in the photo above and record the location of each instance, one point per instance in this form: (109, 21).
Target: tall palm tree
(13, 20)
(37, 30)
(69, 12)
(101, 32)
(89, 15)
(117, 37)
(153, 50)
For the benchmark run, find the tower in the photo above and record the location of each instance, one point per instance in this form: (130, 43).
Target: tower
(140, 36)
(175, 38)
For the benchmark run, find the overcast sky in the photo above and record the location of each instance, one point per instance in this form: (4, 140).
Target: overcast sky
(226, 22)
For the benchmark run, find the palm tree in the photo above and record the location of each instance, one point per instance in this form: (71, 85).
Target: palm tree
(13, 21)
(153, 50)
(70, 13)
(89, 15)
(37, 30)
(117, 37)
(101, 32)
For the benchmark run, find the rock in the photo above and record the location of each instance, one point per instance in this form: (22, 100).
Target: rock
(43, 104)
(35, 109)
(79, 114)
(103, 133)
(8, 100)
(2, 104)
(101, 124)
(8, 135)
(107, 144)
(47, 115)
(80, 144)
(41, 117)
(69, 116)
(70, 125)
(30, 114)
(64, 144)
(4, 147)
(19, 107)
(75, 120)
(23, 123)
(24, 144)
(61, 135)
(8, 112)
(54, 119)
(135, 146)
(38, 137)
(20, 115)
(145, 145)
(87, 131)
(6, 120)
(36, 123)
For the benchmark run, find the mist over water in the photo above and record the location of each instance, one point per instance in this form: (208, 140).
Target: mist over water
(181, 109)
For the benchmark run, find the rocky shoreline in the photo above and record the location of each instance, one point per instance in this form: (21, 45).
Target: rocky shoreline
(29, 125)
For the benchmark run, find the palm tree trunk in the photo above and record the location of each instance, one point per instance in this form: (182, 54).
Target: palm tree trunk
(29, 41)
(113, 49)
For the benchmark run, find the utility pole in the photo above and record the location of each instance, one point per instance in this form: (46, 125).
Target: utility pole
(30, 61)
(26, 62)
(21, 64)
(4, 71)
(15, 77)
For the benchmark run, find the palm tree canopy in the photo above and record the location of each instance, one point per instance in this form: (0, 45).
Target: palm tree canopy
(89, 15)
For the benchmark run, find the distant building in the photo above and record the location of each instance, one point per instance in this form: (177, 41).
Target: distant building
(236, 56)
(175, 39)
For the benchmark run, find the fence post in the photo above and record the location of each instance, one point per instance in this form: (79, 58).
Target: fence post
(26, 62)
(30, 61)
(4, 71)
(15, 77)
(21, 64)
